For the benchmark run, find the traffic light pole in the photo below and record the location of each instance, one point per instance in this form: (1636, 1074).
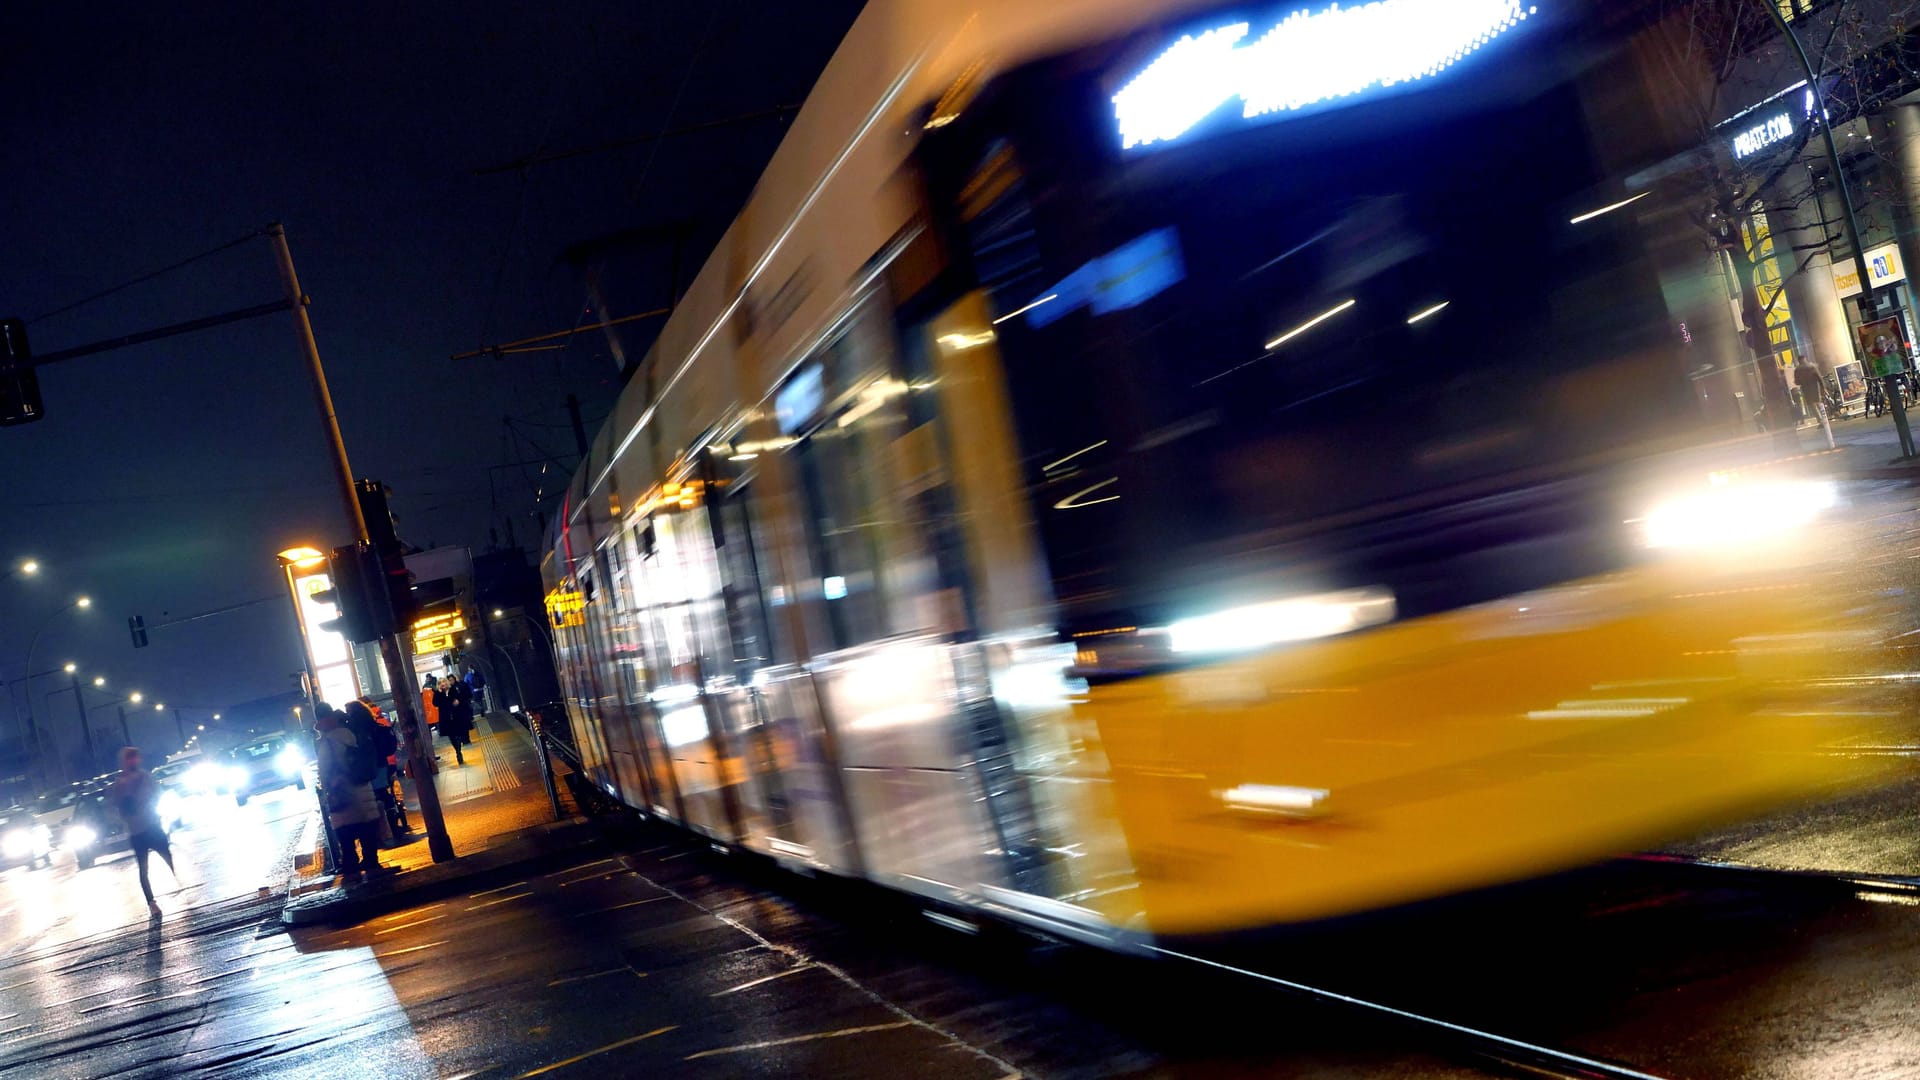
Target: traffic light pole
(418, 739)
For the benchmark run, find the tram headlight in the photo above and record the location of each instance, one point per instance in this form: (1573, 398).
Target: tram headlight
(1738, 514)
(1299, 618)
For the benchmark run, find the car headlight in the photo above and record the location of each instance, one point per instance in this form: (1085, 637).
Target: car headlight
(17, 844)
(1738, 514)
(81, 836)
(205, 776)
(237, 777)
(1300, 618)
(290, 761)
(169, 805)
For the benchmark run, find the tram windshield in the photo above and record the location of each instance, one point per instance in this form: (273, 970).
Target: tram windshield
(1344, 349)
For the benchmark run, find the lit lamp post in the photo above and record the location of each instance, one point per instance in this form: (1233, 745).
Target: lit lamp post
(307, 560)
(33, 730)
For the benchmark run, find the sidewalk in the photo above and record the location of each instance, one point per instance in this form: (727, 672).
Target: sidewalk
(498, 818)
(1865, 447)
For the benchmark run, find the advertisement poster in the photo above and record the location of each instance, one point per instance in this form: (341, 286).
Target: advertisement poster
(1881, 347)
(1853, 382)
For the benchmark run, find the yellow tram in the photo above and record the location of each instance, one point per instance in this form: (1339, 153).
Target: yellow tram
(1144, 468)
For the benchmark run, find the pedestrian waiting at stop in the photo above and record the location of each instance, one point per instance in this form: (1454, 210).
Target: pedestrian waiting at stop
(429, 711)
(369, 729)
(137, 799)
(346, 781)
(477, 689)
(456, 716)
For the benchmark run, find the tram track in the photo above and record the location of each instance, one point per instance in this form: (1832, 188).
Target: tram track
(1522, 1055)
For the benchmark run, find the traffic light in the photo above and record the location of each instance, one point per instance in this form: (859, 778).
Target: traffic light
(357, 594)
(396, 579)
(137, 628)
(19, 385)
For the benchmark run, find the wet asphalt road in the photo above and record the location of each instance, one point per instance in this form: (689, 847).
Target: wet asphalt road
(665, 959)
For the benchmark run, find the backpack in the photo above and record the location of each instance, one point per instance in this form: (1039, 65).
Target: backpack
(359, 760)
(385, 743)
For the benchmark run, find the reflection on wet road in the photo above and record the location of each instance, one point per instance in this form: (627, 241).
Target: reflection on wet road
(671, 961)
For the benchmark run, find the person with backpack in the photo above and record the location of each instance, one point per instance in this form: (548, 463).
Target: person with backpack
(387, 746)
(347, 765)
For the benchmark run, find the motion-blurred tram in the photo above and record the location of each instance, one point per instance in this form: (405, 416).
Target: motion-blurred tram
(1153, 468)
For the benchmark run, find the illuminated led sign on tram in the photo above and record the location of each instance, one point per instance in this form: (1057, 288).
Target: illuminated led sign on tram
(1308, 58)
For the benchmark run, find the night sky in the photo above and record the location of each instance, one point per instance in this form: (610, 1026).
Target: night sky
(167, 475)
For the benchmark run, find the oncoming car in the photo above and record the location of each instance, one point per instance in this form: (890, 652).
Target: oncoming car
(262, 765)
(24, 840)
(96, 829)
(176, 791)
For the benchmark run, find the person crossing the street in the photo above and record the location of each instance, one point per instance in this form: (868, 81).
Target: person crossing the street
(137, 799)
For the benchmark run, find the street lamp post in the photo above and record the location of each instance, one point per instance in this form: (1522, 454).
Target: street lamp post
(26, 688)
(80, 704)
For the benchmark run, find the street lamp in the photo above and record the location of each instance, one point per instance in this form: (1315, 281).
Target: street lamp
(29, 568)
(70, 668)
(216, 716)
(159, 707)
(33, 646)
(135, 697)
(99, 680)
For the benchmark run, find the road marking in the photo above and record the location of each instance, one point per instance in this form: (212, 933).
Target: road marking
(597, 877)
(675, 855)
(412, 911)
(490, 892)
(597, 975)
(502, 900)
(403, 952)
(577, 869)
(409, 925)
(757, 982)
(593, 1053)
(617, 907)
(843, 1032)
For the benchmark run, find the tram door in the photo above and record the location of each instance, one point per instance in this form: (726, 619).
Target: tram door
(790, 803)
(681, 584)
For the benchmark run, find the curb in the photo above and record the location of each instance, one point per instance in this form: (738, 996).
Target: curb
(554, 842)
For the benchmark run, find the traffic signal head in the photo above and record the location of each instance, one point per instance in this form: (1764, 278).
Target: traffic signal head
(19, 385)
(358, 593)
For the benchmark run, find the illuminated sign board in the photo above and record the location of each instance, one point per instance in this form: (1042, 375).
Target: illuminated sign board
(1762, 135)
(327, 652)
(1306, 59)
(436, 633)
(565, 608)
(1883, 266)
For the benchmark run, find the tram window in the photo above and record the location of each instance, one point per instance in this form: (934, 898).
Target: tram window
(840, 499)
(747, 621)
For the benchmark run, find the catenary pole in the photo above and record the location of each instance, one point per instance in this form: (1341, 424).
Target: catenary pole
(1850, 222)
(419, 749)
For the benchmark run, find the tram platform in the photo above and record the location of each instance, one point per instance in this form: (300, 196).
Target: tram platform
(498, 818)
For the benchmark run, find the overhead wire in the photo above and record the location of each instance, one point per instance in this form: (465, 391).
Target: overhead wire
(143, 278)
